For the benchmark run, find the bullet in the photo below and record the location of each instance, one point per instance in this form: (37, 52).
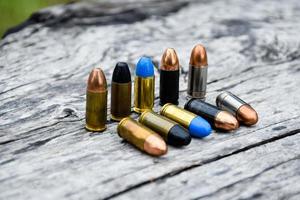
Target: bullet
(172, 132)
(120, 92)
(240, 109)
(197, 126)
(142, 137)
(144, 85)
(96, 101)
(217, 118)
(169, 78)
(197, 78)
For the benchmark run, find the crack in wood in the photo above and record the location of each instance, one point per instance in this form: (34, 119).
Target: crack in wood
(34, 145)
(19, 86)
(179, 171)
(37, 129)
(33, 117)
(250, 178)
(39, 143)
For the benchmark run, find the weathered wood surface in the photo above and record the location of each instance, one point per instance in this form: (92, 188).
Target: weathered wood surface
(253, 50)
(258, 173)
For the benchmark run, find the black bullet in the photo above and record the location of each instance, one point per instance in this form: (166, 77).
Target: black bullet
(217, 118)
(178, 136)
(173, 133)
(121, 92)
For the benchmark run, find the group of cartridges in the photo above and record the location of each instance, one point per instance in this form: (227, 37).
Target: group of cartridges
(174, 125)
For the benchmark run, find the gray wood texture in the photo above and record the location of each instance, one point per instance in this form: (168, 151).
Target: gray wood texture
(256, 173)
(253, 50)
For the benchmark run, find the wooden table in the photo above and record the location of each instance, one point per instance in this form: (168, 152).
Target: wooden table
(253, 50)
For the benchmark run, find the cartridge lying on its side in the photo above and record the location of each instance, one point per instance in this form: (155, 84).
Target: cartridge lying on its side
(240, 109)
(197, 126)
(218, 118)
(141, 137)
(172, 132)
(96, 101)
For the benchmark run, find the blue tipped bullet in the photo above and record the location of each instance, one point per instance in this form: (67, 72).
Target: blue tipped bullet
(197, 126)
(144, 85)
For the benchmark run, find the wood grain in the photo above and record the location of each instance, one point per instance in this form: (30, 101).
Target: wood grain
(268, 171)
(45, 152)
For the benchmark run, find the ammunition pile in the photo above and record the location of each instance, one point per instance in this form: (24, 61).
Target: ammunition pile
(174, 125)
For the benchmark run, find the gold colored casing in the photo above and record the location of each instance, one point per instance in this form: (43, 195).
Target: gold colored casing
(177, 114)
(134, 132)
(143, 94)
(96, 110)
(158, 123)
(120, 100)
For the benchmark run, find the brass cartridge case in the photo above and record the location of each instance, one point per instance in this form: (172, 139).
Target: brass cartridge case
(159, 124)
(141, 137)
(177, 114)
(120, 100)
(120, 92)
(144, 94)
(173, 133)
(96, 101)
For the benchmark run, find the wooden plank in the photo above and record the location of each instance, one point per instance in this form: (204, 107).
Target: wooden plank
(270, 171)
(45, 151)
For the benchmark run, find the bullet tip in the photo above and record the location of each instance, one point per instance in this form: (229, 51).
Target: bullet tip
(247, 115)
(179, 136)
(224, 120)
(155, 145)
(121, 73)
(199, 127)
(96, 81)
(169, 60)
(198, 56)
(144, 67)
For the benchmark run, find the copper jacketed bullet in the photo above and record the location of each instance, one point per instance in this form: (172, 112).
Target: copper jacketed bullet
(121, 92)
(96, 101)
(217, 118)
(233, 104)
(169, 77)
(197, 126)
(197, 78)
(144, 85)
(172, 132)
(142, 137)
